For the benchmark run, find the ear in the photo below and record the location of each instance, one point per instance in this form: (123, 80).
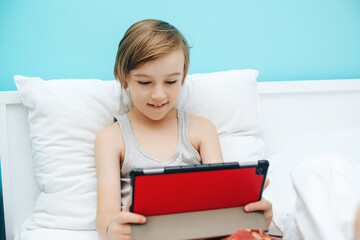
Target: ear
(183, 80)
(126, 83)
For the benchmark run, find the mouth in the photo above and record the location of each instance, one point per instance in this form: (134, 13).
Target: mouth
(158, 106)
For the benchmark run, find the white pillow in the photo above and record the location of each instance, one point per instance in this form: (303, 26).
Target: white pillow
(230, 100)
(65, 116)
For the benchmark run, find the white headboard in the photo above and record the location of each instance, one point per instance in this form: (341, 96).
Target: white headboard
(293, 113)
(18, 183)
(298, 111)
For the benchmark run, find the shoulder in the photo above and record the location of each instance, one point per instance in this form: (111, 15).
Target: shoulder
(109, 137)
(200, 123)
(200, 128)
(207, 140)
(110, 131)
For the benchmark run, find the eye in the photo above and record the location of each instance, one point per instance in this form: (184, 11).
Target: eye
(144, 82)
(171, 82)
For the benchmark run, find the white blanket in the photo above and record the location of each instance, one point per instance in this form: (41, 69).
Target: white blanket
(328, 196)
(324, 176)
(57, 234)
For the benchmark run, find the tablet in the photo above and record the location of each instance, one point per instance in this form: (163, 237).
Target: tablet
(199, 187)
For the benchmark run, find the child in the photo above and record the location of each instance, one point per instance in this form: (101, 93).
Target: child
(152, 61)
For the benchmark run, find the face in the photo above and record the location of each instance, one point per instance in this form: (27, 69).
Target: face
(155, 86)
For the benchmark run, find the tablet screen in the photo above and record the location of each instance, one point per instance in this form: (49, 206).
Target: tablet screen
(196, 187)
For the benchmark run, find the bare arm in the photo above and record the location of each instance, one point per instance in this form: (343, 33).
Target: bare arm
(107, 157)
(111, 223)
(205, 139)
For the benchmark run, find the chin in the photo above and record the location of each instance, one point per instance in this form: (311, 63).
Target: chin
(153, 115)
(157, 117)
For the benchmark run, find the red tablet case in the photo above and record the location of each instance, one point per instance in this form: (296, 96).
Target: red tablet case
(196, 187)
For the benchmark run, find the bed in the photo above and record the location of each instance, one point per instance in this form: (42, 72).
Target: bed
(299, 120)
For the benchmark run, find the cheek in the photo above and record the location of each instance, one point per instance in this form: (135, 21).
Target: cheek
(175, 92)
(179, 87)
(136, 95)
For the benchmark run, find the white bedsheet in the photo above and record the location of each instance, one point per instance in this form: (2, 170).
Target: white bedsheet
(344, 144)
(57, 234)
(328, 196)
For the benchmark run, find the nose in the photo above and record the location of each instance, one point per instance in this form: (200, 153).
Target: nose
(158, 93)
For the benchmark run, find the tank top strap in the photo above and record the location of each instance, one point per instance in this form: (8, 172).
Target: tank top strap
(184, 140)
(125, 128)
(183, 120)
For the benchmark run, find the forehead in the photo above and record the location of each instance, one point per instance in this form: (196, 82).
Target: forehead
(169, 64)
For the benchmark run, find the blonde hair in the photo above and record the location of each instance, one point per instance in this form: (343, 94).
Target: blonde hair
(145, 41)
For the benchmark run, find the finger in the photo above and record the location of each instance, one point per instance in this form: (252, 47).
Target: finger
(126, 229)
(126, 237)
(267, 182)
(127, 206)
(123, 237)
(128, 217)
(268, 216)
(119, 231)
(258, 206)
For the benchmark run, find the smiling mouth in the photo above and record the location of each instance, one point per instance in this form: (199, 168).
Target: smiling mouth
(157, 106)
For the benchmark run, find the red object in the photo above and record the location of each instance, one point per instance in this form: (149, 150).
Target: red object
(249, 234)
(196, 191)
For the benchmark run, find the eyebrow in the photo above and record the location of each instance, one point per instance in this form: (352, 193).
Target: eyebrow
(146, 75)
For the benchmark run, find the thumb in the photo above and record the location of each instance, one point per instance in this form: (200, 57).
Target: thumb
(127, 206)
(267, 182)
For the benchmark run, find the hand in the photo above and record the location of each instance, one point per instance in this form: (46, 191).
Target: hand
(262, 205)
(357, 224)
(119, 226)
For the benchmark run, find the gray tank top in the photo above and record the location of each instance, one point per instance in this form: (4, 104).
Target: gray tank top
(136, 157)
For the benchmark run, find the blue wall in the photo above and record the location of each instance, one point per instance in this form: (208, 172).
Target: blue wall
(283, 39)
(2, 226)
